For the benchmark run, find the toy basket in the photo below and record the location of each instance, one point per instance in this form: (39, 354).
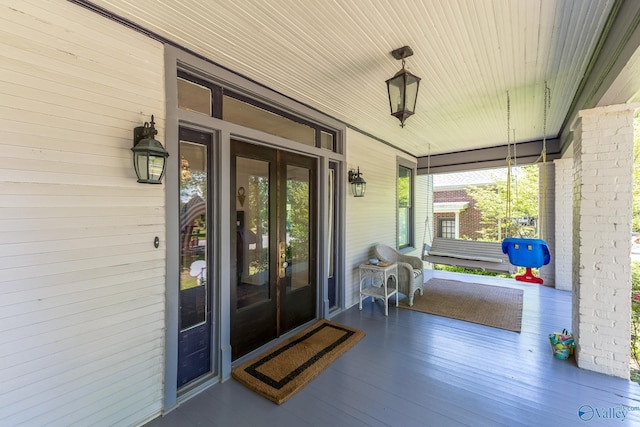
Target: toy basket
(562, 344)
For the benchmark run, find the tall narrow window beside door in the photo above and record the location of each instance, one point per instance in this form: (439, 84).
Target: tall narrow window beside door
(196, 281)
(405, 207)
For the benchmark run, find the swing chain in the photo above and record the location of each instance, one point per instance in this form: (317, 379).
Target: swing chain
(543, 205)
(508, 204)
(547, 105)
(427, 223)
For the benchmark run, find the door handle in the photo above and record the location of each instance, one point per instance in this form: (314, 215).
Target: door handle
(282, 254)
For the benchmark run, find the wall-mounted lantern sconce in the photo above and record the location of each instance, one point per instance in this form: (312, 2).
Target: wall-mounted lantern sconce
(403, 88)
(358, 184)
(149, 156)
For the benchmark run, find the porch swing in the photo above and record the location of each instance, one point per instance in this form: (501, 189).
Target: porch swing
(473, 254)
(526, 252)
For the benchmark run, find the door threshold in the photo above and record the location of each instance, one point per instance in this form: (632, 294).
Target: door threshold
(268, 346)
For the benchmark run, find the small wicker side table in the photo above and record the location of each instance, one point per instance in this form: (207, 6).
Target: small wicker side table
(374, 283)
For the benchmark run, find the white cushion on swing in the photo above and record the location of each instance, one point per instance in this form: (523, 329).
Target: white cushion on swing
(472, 250)
(469, 254)
(462, 256)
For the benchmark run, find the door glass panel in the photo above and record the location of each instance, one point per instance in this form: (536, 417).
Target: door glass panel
(331, 242)
(252, 231)
(331, 212)
(327, 141)
(297, 224)
(194, 97)
(193, 235)
(245, 114)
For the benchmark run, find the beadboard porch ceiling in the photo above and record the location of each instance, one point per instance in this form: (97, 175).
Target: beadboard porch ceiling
(335, 57)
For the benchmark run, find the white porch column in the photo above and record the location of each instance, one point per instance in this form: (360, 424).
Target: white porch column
(603, 181)
(563, 223)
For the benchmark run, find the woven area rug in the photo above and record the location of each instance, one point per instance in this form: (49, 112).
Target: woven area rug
(494, 306)
(287, 368)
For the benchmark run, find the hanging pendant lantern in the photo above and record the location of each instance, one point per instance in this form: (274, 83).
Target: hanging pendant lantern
(403, 88)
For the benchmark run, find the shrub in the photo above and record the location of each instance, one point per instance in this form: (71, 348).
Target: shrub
(456, 269)
(635, 318)
(635, 276)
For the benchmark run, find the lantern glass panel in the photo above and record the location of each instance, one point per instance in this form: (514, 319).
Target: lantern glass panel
(140, 165)
(396, 93)
(358, 187)
(412, 92)
(156, 167)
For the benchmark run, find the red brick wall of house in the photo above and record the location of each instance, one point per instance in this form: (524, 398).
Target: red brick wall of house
(469, 218)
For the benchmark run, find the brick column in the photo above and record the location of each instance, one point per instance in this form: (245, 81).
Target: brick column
(603, 183)
(563, 223)
(548, 272)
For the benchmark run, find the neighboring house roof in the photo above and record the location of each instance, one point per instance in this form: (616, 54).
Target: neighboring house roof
(460, 180)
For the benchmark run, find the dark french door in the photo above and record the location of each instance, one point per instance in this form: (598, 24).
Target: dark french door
(274, 263)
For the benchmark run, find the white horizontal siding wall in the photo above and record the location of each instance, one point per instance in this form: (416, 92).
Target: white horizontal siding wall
(81, 284)
(372, 219)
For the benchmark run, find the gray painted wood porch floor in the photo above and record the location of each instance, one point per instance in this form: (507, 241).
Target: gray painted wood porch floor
(415, 369)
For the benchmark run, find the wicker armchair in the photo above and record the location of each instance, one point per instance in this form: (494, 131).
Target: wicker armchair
(410, 275)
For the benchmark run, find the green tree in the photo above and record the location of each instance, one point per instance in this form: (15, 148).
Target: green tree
(298, 218)
(194, 185)
(491, 201)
